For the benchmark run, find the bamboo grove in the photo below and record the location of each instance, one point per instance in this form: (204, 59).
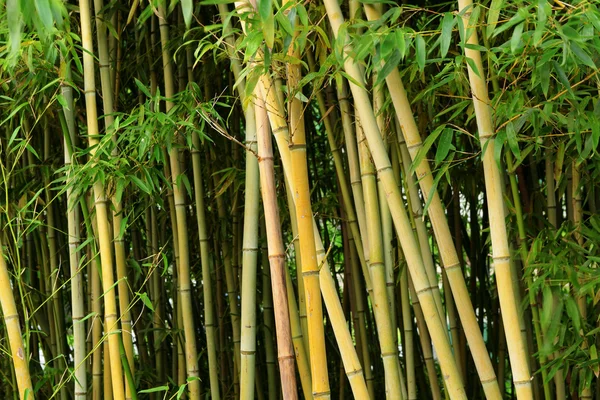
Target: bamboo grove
(280, 199)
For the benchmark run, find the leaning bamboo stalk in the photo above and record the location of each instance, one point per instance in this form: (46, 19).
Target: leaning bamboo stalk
(276, 255)
(407, 319)
(401, 222)
(73, 218)
(100, 201)
(494, 193)
(441, 229)
(13, 329)
(185, 284)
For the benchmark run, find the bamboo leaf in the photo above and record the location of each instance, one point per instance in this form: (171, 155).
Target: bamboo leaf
(390, 65)
(582, 55)
(444, 145)
(155, 389)
(515, 40)
(146, 300)
(573, 313)
(421, 52)
(426, 146)
(562, 77)
(446, 37)
(493, 15)
(187, 8)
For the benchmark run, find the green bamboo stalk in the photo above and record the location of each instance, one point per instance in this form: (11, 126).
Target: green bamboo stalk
(73, 218)
(185, 285)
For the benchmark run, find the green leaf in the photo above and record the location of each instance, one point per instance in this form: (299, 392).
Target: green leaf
(390, 65)
(143, 88)
(562, 77)
(582, 55)
(516, 19)
(493, 15)
(146, 300)
(421, 52)
(155, 389)
(140, 184)
(444, 145)
(573, 313)
(265, 9)
(511, 138)
(181, 391)
(187, 8)
(515, 40)
(426, 146)
(446, 38)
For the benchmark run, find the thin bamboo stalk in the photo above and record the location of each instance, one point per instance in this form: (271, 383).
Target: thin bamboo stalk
(185, 285)
(73, 218)
(268, 325)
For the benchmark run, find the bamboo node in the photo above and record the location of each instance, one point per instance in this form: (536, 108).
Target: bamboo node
(280, 255)
(523, 383)
(355, 372)
(452, 266)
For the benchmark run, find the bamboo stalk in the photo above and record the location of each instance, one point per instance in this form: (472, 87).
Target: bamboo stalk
(399, 216)
(380, 302)
(185, 285)
(441, 229)
(328, 289)
(13, 329)
(119, 245)
(73, 218)
(100, 202)
(494, 191)
(276, 255)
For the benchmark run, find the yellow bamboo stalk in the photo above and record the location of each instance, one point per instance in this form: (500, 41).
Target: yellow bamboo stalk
(310, 269)
(13, 329)
(100, 202)
(300, 344)
(494, 191)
